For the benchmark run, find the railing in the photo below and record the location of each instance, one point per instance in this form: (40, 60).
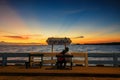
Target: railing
(49, 58)
(85, 59)
(7, 58)
(80, 59)
(112, 59)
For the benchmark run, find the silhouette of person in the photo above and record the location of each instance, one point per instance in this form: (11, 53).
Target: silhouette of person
(61, 60)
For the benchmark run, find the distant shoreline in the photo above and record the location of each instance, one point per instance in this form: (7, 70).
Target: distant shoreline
(112, 43)
(36, 44)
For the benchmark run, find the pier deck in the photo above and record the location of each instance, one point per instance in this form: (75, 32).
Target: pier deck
(48, 73)
(48, 70)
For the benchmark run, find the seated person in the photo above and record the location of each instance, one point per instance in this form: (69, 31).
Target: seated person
(61, 60)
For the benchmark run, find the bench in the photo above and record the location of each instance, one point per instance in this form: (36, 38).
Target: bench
(34, 59)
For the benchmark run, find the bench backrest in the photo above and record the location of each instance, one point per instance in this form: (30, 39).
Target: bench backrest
(36, 57)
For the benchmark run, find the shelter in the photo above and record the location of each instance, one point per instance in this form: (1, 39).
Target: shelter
(58, 41)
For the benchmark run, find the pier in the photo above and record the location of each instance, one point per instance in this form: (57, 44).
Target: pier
(83, 65)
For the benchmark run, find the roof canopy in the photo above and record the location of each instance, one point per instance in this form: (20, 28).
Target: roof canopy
(58, 41)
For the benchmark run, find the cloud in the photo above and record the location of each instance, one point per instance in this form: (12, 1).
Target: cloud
(79, 37)
(74, 11)
(17, 37)
(31, 35)
(24, 37)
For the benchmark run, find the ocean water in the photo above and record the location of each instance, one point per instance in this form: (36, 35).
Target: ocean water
(59, 48)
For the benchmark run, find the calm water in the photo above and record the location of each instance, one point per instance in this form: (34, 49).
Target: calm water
(59, 48)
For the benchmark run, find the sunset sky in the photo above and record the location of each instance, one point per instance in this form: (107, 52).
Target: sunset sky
(84, 21)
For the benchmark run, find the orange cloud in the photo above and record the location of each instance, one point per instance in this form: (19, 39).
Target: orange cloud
(79, 37)
(17, 37)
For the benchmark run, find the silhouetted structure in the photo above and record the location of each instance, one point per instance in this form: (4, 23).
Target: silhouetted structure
(58, 41)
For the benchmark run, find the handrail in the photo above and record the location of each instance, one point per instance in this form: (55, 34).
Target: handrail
(104, 58)
(89, 58)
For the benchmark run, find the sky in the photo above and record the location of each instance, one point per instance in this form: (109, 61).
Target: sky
(83, 21)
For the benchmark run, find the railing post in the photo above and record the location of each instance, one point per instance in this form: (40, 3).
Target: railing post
(4, 60)
(52, 58)
(42, 60)
(86, 59)
(115, 59)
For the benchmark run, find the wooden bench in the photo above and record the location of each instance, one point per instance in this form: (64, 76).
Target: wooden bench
(34, 59)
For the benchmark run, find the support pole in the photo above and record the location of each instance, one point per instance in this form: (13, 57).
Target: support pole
(52, 56)
(65, 45)
(52, 48)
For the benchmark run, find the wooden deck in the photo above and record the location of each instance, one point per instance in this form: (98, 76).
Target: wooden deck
(52, 71)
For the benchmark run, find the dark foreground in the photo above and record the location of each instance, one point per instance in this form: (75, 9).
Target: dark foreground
(51, 73)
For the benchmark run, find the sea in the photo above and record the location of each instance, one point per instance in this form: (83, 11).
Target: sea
(59, 48)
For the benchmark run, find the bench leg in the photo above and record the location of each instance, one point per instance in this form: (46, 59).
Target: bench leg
(57, 65)
(64, 65)
(40, 64)
(27, 64)
(71, 65)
